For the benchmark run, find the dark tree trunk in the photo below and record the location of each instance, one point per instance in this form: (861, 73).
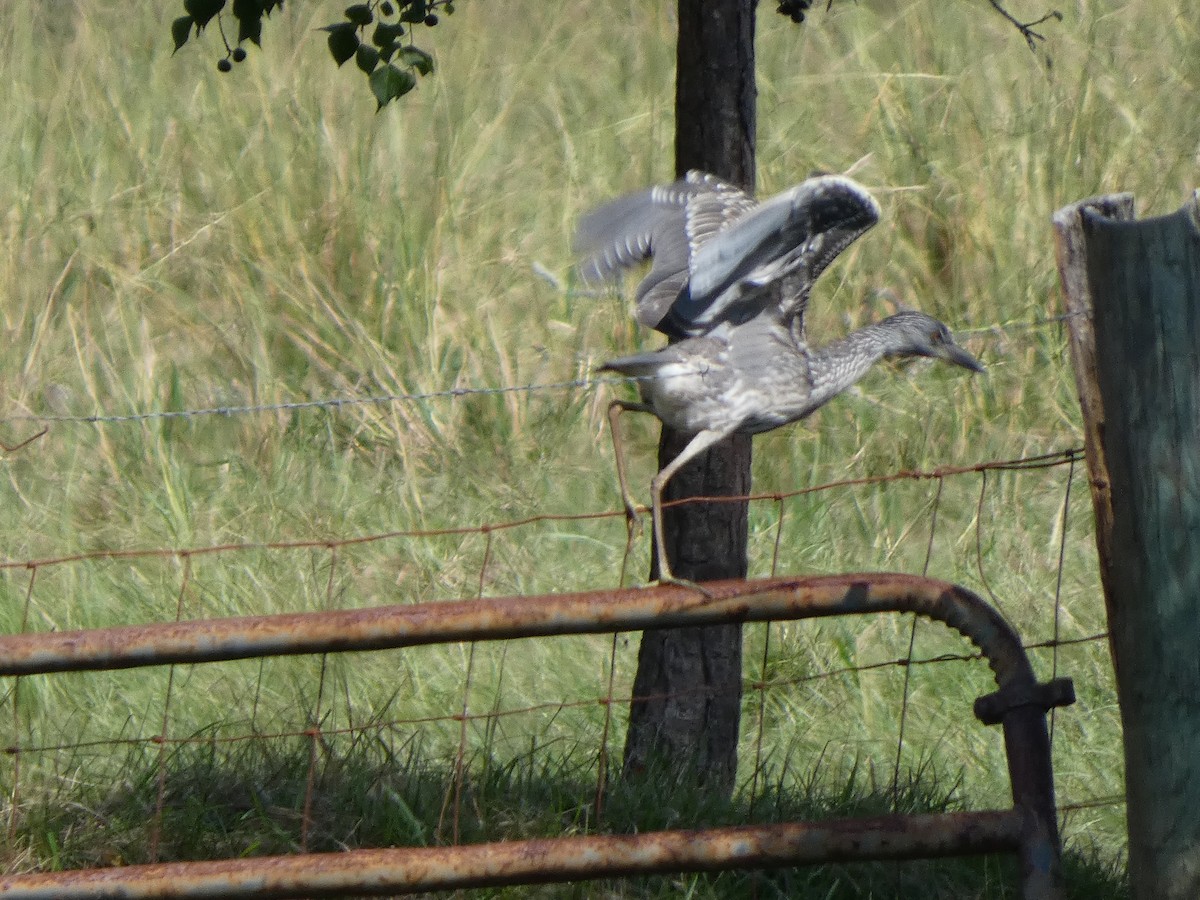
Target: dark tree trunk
(692, 677)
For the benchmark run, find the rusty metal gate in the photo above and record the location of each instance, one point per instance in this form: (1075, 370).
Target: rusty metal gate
(1027, 829)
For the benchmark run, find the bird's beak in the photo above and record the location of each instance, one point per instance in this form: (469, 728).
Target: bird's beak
(960, 357)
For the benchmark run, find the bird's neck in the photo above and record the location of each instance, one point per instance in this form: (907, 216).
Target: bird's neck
(838, 365)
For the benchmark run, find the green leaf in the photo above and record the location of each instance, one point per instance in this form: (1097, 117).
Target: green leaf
(249, 14)
(250, 30)
(367, 58)
(359, 14)
(418, 59)
(385, 34)
(202, 11)
(343, 42)
(388, 83)
(414, 12)
(181, 29)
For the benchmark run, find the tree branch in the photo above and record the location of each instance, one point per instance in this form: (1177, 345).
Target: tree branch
(1026, 28)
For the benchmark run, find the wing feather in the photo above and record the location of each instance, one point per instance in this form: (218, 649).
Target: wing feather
(720, 256)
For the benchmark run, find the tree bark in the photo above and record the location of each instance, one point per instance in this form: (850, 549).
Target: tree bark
(690, 679)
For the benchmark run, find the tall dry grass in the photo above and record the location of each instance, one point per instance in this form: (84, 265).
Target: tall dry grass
(178, 239)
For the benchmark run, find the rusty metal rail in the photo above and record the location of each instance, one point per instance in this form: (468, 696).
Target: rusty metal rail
(412, 870)
(1019, 704)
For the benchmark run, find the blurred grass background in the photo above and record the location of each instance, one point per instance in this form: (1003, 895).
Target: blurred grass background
(174, 238)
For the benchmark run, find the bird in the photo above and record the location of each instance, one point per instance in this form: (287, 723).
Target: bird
(754, 377)
(729, 283)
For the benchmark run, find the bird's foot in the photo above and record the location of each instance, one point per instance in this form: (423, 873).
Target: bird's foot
(683, 583)
(633, 521)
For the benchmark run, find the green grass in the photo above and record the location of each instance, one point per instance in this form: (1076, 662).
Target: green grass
(247, 799)
(175, 239)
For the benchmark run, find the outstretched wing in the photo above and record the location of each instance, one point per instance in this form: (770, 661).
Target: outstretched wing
(769, 258)
(665, 223)
(718, 255)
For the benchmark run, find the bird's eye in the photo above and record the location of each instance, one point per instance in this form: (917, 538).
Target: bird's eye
(936, 337)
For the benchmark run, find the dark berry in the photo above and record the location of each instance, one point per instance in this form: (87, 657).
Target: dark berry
(224, 65)
(431, 20)
(239, 54)
(794, 9)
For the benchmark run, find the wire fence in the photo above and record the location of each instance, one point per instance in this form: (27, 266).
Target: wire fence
(338, 403)
(447, 736)
(22, 418)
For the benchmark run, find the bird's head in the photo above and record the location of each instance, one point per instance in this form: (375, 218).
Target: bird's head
(912, 333)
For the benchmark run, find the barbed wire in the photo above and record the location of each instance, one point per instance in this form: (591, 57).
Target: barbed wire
(336, 403)
(1038, 461)
(1004, 327)
(300, 405)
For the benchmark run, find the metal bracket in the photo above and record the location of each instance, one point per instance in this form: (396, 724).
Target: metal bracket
(990, 709)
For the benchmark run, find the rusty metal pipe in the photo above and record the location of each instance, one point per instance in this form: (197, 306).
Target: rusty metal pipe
(413, 870)
(1030, 772)
(1020, 702)
(513, 617)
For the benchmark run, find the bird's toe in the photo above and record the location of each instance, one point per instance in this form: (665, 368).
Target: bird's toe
(683, 583)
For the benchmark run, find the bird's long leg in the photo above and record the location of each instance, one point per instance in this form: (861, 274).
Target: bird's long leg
(695, 447)
(614, 414)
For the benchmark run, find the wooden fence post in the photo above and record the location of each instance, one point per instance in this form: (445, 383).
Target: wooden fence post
(1077, 300)
(1140, 393)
